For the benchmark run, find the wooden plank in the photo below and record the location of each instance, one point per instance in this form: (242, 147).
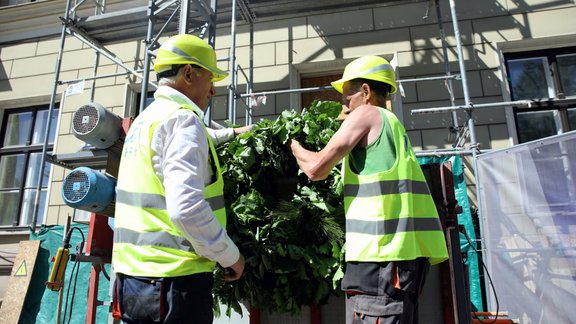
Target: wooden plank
(19, 281)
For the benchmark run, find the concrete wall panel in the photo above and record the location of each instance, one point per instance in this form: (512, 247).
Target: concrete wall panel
(515, 7)
(499, 137)
(101, 71)
(384, 42)
(31, 86)
(340, 23)
(404, 15)
(5, 69)
(18, 51)
(433, 139)
(429, 36)
(263, 55)
(52, 46)
(431, 61)
(474, 9)
(33, 66)
(524, 26)
(68, 144)
(264, 32)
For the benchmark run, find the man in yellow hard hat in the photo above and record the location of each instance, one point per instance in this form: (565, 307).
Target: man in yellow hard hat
(393, 232)
(170, 217)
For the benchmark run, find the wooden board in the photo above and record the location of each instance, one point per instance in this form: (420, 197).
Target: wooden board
(19, 281)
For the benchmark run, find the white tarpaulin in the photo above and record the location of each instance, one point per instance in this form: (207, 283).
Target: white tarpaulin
(528, 216)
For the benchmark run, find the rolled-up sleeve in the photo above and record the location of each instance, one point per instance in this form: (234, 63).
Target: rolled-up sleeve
(221, 135)
(180, 160)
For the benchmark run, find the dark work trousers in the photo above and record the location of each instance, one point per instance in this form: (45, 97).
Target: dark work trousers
(384, 293)
(185, 299)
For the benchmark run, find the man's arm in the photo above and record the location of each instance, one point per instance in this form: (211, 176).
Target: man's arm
(181, 161)
(317, 165)
(223, 135)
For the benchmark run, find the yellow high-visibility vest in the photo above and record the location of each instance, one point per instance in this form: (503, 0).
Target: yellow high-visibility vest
(146, 242)
(390, 215)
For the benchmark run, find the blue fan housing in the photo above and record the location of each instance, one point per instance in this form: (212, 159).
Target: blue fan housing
(89, 190)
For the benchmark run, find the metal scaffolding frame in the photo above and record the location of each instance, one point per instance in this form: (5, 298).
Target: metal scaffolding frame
(199, 16)
(195, 16)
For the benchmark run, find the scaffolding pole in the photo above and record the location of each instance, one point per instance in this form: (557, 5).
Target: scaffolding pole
(231, 66)
(446, 63)
(464, 79)
(471, 107)
(448, 152)
(80, 35)
(49, 121)
(69, 27)
(147, 45)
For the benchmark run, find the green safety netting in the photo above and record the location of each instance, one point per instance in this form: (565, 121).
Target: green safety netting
(465, 219)
(41, 304)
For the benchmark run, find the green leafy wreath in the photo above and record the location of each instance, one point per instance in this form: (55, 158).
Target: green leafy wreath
(289, 229)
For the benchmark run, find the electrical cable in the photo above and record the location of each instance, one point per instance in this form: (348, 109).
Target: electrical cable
(74, 291)
(68, 294)
(73, 273)
(7, 260)
(489, 279)
(104, 272)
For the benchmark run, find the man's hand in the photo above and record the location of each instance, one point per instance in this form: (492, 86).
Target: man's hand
(240, 130)
(294, 145)
(234, 272)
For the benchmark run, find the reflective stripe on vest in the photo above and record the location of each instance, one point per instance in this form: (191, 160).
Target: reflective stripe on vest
(146, 242)
(390, 215)
(163, 239)
(386, 187)
(145, 200)
(391, 226)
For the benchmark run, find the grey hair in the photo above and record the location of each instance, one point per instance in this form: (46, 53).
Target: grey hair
(171, 80)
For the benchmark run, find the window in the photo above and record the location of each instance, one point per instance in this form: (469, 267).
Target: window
(549, 78)
(5, 3)
(321, 81)
(22, 138)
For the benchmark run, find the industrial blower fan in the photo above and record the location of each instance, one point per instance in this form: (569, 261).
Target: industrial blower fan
(97, 126)
(89, 190)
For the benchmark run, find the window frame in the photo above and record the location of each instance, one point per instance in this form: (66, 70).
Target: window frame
(559, 103)
(28, 149)
(2, 5)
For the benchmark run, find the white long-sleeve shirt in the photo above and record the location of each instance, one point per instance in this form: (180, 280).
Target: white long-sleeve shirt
(180, 160)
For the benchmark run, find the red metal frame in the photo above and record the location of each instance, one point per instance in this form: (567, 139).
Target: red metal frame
(98, 248)
(100, 234)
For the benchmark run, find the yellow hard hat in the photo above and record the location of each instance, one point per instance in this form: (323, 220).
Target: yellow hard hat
(368, 67)
(187, 49)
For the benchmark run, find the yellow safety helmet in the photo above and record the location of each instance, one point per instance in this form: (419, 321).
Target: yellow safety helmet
(368, 67)
(187, 49)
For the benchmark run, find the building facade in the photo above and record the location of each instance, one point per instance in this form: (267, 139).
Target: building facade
(512, 51)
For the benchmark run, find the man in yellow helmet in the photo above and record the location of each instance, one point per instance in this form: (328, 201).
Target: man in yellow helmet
(393, 232)
(170, 218)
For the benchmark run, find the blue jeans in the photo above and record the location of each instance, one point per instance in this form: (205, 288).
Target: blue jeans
(182, 299)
